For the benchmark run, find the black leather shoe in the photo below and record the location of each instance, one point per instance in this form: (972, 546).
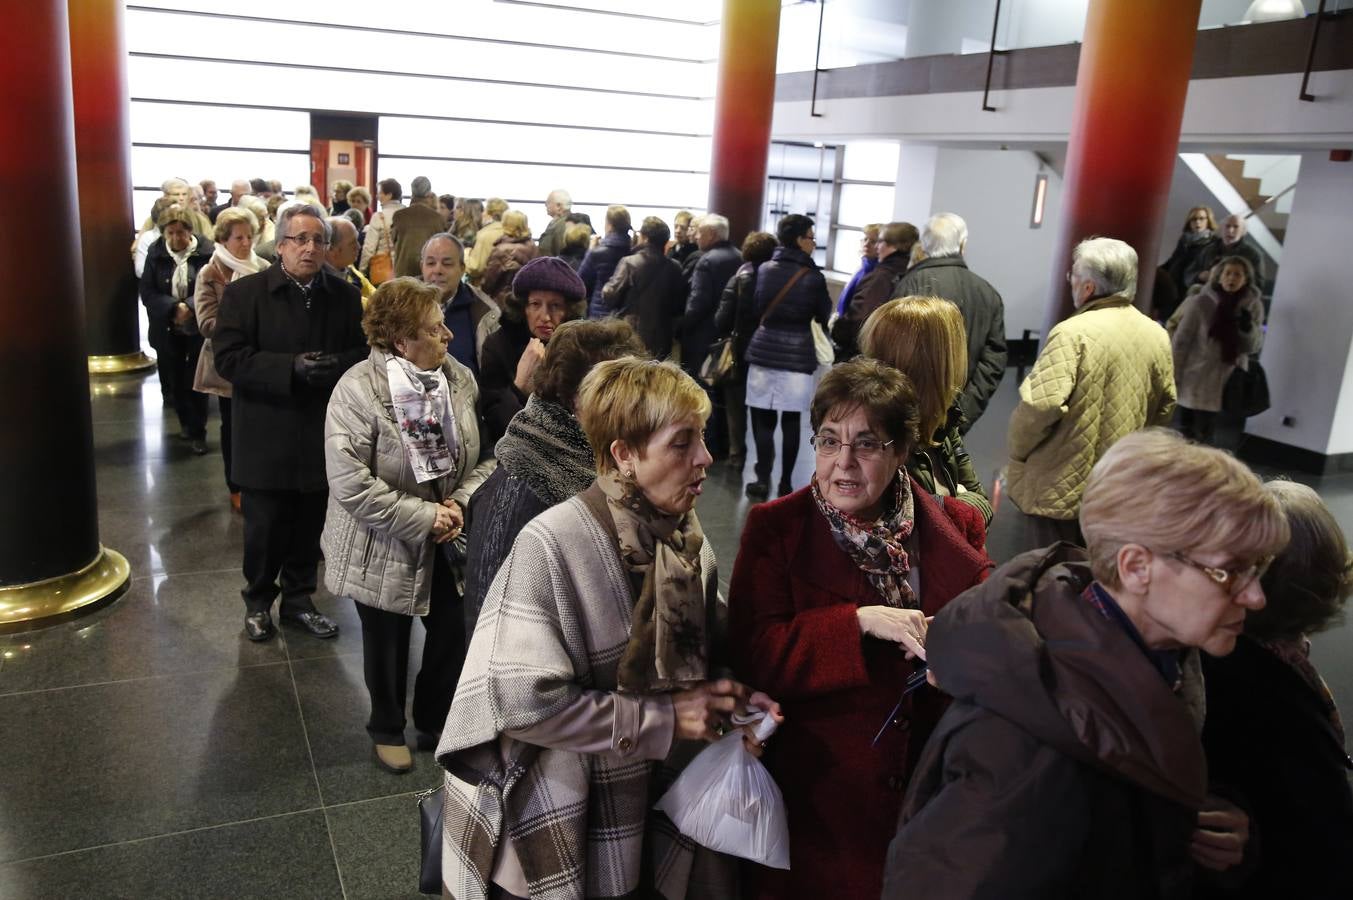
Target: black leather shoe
(318, 624)
(198, 447)
(427, 743)
(785, 489)
(757, 490)
(258, 626)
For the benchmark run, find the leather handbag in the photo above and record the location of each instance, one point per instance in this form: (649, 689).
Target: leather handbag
(381, 268)
(719, 364)
(1246, 391)
(430, 806)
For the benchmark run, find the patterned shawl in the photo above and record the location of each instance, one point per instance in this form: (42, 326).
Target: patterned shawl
(877, 547)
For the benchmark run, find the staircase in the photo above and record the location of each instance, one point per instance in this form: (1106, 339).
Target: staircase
(1259, 178)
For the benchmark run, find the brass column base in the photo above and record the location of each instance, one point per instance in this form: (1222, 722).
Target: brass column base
(24, 607)
(120, 364)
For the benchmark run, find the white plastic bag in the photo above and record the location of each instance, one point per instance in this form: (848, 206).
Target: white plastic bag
(726, 800)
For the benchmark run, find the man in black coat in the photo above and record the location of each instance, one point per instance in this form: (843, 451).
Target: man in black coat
(718, 263)
(943, 273)
(283, 338)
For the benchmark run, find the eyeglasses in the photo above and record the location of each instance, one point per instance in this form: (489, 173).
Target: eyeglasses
(865, 447)
(1233, 581)
(307, 240)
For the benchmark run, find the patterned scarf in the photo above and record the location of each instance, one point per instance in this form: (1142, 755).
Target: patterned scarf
(1296, 652)
(877, 547)
(667, 644)
(427, 427)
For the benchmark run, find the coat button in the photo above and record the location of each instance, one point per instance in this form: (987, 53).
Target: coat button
(626, 744)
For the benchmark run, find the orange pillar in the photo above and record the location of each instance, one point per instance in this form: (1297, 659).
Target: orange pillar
(1130, 89)
(103, 167)
(743, 104)
(51, 562)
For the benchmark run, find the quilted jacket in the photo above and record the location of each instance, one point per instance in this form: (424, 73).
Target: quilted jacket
(784, 340)
(377, 535)
(1104, 372)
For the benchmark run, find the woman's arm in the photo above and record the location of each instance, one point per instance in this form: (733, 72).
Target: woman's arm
(787, 652)
(207, 299)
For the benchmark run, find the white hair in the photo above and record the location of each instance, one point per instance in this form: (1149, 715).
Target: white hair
(715, 223)
(170, 182)
(944, 235)
(293, 208)
(562, 197)
(1109, 263)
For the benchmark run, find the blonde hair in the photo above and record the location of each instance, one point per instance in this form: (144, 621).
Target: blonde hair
(1156, 489)
(359, 193)
(397, 310)
(924, 338)
(631, 399)
(577, 234)
(1211, 219)
(229, 218)
(514, 224)
(496, 207)
(341, 186)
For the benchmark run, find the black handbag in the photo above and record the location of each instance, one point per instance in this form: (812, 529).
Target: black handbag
(430, 806)
(1246, 391)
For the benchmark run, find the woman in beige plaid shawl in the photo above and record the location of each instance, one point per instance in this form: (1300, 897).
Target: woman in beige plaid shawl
(588, 680)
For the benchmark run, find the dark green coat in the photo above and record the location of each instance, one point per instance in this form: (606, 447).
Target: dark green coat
(949, 464)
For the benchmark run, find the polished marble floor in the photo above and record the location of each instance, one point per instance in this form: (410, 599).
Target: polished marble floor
(151, 751)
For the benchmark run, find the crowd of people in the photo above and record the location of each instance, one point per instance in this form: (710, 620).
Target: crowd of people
(506, 437)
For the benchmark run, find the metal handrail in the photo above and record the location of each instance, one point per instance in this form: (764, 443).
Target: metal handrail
(1310, 54)
(991, 59)
(817, 58)
(1271, 200)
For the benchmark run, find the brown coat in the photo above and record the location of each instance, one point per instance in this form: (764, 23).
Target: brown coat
(1065, 767)
(411, 227)
(211, 284)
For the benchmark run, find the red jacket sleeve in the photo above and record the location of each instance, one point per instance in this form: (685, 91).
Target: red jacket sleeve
(778, 646)
(968, 520)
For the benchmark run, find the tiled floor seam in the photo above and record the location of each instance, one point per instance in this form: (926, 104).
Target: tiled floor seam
(92, 684)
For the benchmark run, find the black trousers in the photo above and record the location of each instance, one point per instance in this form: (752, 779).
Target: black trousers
(281, 537)
(385, 660)
(1198, 424)
(763, 433)
(227, 449)
(177, 363)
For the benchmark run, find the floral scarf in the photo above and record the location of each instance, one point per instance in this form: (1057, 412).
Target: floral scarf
(427, 427)
(667, 644)
(1296, 652)
(877, 548)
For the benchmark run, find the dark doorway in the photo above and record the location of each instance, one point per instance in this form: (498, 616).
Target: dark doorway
(342, 146)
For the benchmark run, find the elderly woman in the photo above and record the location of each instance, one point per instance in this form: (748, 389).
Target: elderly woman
(924, 338)
(577, 238)
(167, 286)
(1213, 333)
(546, 292)
(359, 198)
(791, 293)
(1184, 264)
(338, 192)
(233, 258)
(1275, 742)
(401, 447)
(466, 218)
(828, 606)
(544, 457)
(1069, 763)
(591, 665)
(267, 229)
(511, 251)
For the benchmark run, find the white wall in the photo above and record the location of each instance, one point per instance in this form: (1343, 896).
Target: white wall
(1310, 328)
(993, 191)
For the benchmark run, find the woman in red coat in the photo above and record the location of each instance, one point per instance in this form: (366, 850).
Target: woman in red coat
(828, 606)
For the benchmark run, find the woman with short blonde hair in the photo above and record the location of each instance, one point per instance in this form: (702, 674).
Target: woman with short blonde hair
(1077, 691)
(925, 339)
(402, 453)
(512, 250)
(359, 198)
(594, 665)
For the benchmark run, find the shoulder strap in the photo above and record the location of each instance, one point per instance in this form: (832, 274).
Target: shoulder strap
(783, 291)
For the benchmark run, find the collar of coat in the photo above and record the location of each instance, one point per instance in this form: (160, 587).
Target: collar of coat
(1110, 302)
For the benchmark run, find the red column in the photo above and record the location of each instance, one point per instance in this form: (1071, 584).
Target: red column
(743, 104)
(51, 562)
(1130, 88)
(102, 148)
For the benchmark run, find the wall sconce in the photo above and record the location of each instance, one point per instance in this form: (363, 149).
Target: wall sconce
(1040, 200)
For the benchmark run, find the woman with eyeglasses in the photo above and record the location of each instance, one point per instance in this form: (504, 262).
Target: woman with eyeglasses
(832, 591)
(1184, 264)
(1274, 739)
(1069, 763)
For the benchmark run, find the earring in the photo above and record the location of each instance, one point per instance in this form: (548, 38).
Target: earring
(629, 474)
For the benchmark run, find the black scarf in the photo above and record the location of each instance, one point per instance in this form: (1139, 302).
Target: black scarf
(545, 447)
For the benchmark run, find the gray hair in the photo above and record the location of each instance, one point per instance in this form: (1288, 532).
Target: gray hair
(715, 223)
(288, 211)
(562, 197)
(421, 187)
(170, 182)
(442, 236)
(340, 223)
(1109, 263)
(355, 217)
(944, 235)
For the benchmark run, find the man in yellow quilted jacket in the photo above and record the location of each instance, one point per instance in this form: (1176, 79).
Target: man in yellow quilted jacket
(1104, 372)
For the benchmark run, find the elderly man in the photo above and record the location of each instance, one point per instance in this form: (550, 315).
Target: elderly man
(470, 314)
(180, 193)
(208, 187)
(943, 273)
(719, 261)
(1104, 372)
(238, 188)
(558, 205)
(283, 337)
(892, 252)
(413, 225)
(1232, 240)
(342, 255)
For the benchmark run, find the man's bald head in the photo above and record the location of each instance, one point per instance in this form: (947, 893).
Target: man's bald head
(342, 243)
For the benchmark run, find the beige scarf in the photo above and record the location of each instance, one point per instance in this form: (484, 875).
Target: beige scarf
(667, 645)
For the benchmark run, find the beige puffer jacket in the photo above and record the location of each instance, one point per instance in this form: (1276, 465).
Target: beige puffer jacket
(1104, 372)
(377, 531)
